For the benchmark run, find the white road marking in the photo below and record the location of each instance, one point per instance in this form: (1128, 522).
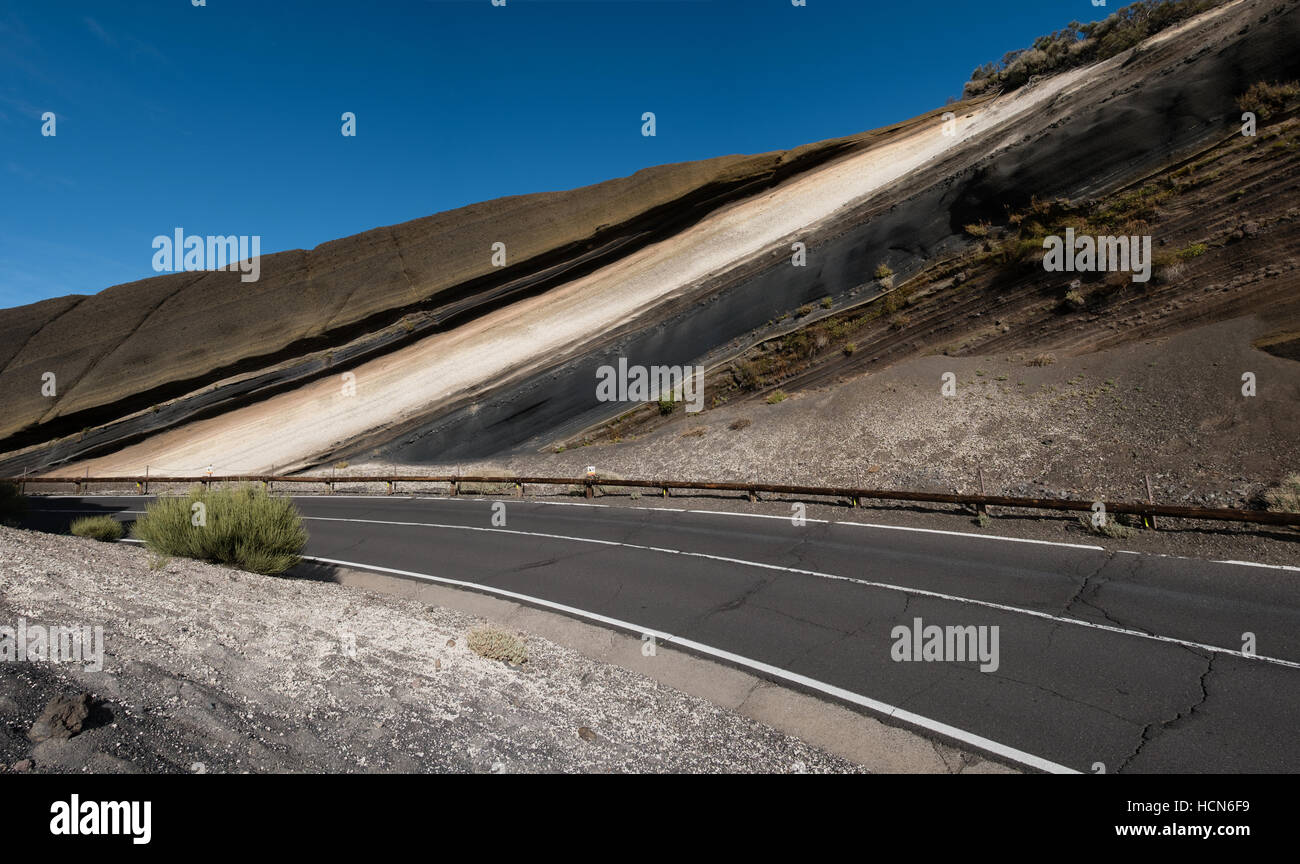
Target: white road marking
(920, 592)
(1269, 566)
(891, 711)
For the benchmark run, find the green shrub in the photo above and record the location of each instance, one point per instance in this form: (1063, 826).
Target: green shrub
(775, 397)
(106, 529)
(497, 644)
(667, 405)
(849, 348)
(12, 504)
(803, 311)
(243, 526)
(1195, 250)
(827, 302)
(883, 272)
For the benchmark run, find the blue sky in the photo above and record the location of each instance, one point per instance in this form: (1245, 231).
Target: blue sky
(225, 119)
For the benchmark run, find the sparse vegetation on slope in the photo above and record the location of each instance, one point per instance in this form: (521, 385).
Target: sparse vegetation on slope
(1081, 44)
(1266, 99)
(1285, 496)
(242, 526)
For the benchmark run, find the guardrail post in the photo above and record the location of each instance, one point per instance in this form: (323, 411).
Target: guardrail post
(665, 488)
(1151, 500)
(751, 494)
(981, 508)
(455, 484)
(519, 490)
(588, 492)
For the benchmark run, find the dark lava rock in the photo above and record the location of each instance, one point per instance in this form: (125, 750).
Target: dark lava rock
(63, 717)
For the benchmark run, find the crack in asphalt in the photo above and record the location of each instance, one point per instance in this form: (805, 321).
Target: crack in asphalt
(1153, 730)
(1087, 583)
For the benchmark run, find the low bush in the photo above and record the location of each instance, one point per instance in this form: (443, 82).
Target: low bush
(1265, 100)
(775, 397)
(1110, 528)
(497, 644)
(242, 526)
(1285, 496)
(105, 529)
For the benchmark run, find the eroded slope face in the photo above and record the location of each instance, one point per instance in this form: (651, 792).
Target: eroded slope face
(902, 199)
(132, 346)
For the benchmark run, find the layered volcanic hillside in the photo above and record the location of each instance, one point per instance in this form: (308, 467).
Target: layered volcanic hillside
(406, 344)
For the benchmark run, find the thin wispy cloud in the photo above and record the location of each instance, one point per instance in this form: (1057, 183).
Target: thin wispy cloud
(99, 31)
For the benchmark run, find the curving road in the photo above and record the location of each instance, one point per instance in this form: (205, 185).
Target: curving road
(1131, 661)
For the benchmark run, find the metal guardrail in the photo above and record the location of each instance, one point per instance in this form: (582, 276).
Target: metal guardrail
(588, 484)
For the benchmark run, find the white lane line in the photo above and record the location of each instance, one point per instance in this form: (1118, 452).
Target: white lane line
(892, 711)
(1268, 566)
(920, 592)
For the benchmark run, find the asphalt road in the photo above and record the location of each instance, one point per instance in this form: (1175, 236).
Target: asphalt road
(1105, 660)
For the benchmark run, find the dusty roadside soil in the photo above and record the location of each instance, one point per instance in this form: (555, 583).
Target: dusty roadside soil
(209, 669)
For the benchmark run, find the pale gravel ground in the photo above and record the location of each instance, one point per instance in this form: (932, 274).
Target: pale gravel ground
(242, 672)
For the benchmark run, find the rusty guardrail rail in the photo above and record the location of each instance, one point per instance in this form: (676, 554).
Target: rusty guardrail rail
(588, 484)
